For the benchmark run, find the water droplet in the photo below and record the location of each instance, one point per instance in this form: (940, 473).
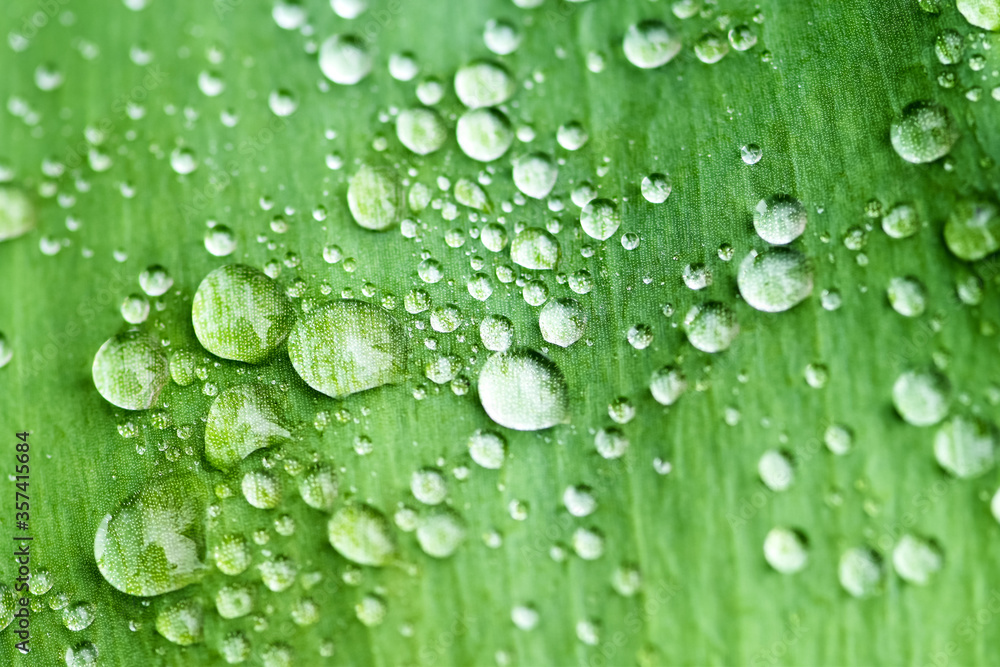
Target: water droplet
(239, 313)
(667, 385)
(348, 346)
(345, 59)
(484, 134)
(155, 281)
(535, 175)
(496, 332)
(220, 241)
(901, 222)
(403, 67)
(751, 153)
(231, 554)
(84, 654)
(779, 219)
(775, 280)
(371, 610)
(915, 559)
(571, 136)
(375, 198)
(182, 161)
(182, 622)
(949, 47)
(983, 14)
(440, 533)
(838, 438)
(860, 571)
(421, 130)
(656, 188)
(785, 550)
(261, 489)
(318, 488)
(130, 370)
(711, 48)
(135, 309)
(562, 322)
(588, 543)
(742, 38)
(973, 230)
(153, 543)
(523, 391)
(965, 446)
(242, 420)
(611, 443)
(234, 601)
(535, 249)
(908, 296)
(361, 534)
(922, 397)
(775, 470)
(650, 44)
(924, 132)
(501, 37)
(711, 327)
(17, 214)
(600, 219)
(483, 84)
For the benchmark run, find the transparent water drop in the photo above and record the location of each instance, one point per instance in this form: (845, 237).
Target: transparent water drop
(441, 533)
(487, 449)
(667, 385)
(483, 83)
(779, 219)
(973, 230)
(751, 153)
(924, 132)
(17, 213)
(785, 550)
(697, 276)
(501, 37)
(345, 59)
(79, 616)
(611, 443)
(711, 48)
(155, 281)
(907, 295)
(588, 543)
(523, 391)
(361, 534)
(860, 571)
(289, 15)
(183, 622)
(711, 327)
(261, 489)
(775, 470)
(562, 322)
(922, 397)
(572, 136)
(134, 309)
(84, 654)
(240, 313)
(742, 37)
(232, 554)
(182, 161)
(901, 222)
(949, 45)
(916, 559)
(983, 14)
(210, 84)
(650, 44)
(130, 370)
(282, 103)
(656, 188)
(775, 280)
(375, 198)
(234, 601)
(535, 249)
(153, 543)
(484, 134)
(579, 501)
(403, 67)
(472, 195)
(838, 439)
(220, 241)
(319, 488)
(421, 130)
(242, 420)
(349, 9)
(966, 446)
(348, 346)
(600, 219)
(535, 175)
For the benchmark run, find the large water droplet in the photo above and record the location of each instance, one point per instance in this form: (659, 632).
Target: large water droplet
(242, 420)
(562, 322)
(239, 313)
(484, 134)
(711, 327)
(785, 550)
(523, 391)
(600, 219)
(535, 175)
(153, 543)
(421, 130)
(17, 213)
(973, 230)
(441, 533)
(983, 14)
(375, 198)
(776, 279)
(535, 249)
(361, 534)
(650, 44)
(348, 346)
(483, 84)
(916, 559)
(966, 446)
(922, 397)
(345, 59)
(183, 622)
(924, 132)
(779, 219)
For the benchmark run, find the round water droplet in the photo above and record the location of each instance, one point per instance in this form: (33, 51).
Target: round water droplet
(375, 198)
(155, 281)
(838, 439)
(775, 280)
(17, 213)
(134, 309)
(579, 501)
(973, 230)
(860, 571)
(611, 443)
(345, 59)
(535, 249)
(318, 488)
(751, 153)
(779, 219)
(361, 534)
(130, 370)
(650, 44)
(282, 103)
(983, 14)
(949, 46)
(496, 332)
(220, 241)
(183, 622)
(600, 219)
(182, 161)
(483, 84)
(901, 222)
(572, 136)
(79, 616)
(588, 543)
(775, 470)
(234, 601)
(562, 322)
(916, 559)
(785, 550)
(711, 48)
(711, 327)
(84, 654)
(487, 449)
(348, 346)
(667, 385)
(535, 175)
(239, 313)
(261, 489)
(924, 132)
(966, 446)
(154, 542)
(656, 188)
(441, 533)
(428, 486)
(907, 295)
(421, 130)
(922, 397)
(242, 420)
(484, 134)
(523, 391)
(501, 37)
(232, 554)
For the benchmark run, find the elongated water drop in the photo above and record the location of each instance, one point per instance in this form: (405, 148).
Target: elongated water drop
(375, 198)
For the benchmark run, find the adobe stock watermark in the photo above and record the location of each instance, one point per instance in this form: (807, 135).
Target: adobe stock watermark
(779, 648)
(966, 630)
(654, 604)
(34, 23)
(367, 26)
